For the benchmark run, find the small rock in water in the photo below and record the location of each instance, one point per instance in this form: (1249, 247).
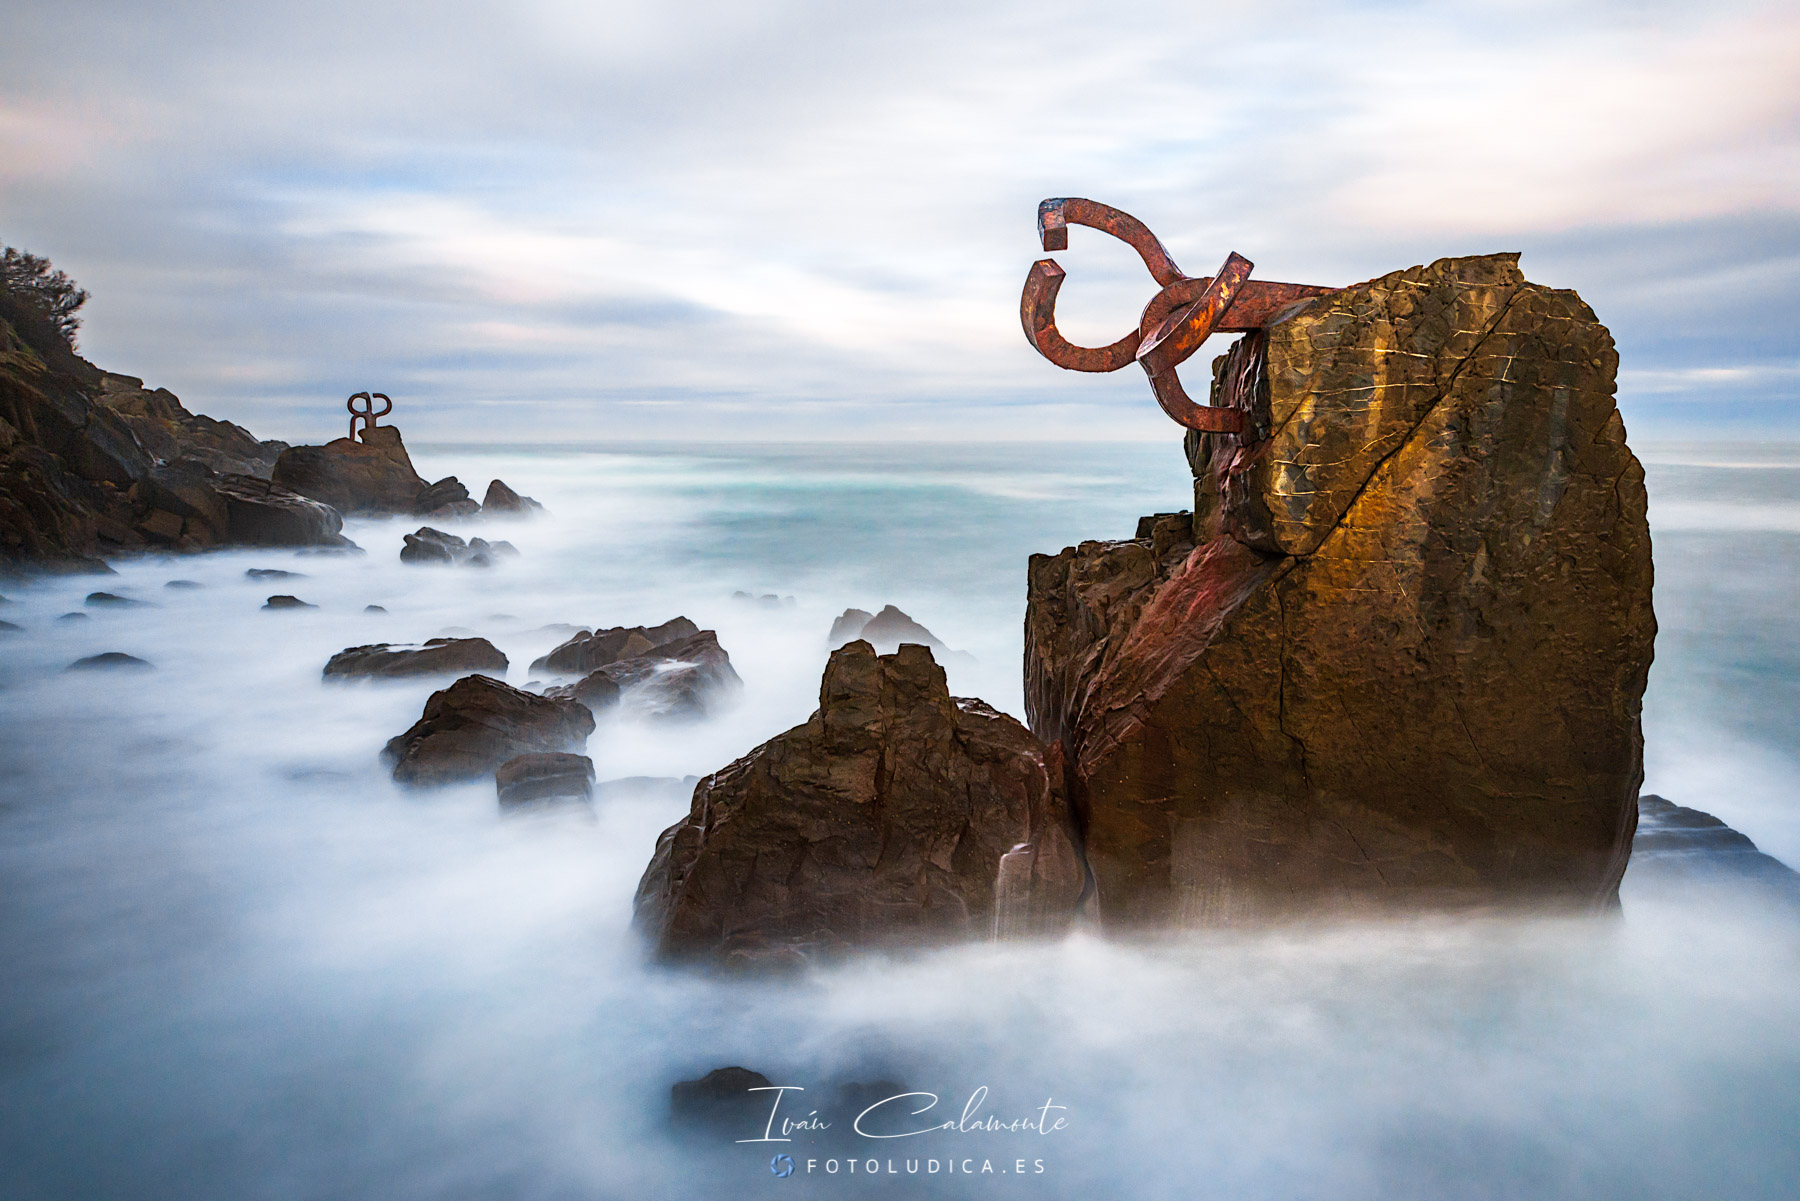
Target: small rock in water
(544, 776)
(373, 609)
(426, 545)
(73, 617)
(113, 600)
(680, 679)
(110, 661)
(184, 584)
(273, 573)
(720, 1100)
(7, 627)
(446, 498)
(470, 728)
(587, 652)
(503, 500)
(439, 656)
(287, 602)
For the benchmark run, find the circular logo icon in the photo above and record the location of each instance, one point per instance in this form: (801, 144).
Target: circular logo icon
(782, 1166)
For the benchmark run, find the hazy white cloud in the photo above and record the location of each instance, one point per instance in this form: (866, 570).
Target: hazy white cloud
(807, 217)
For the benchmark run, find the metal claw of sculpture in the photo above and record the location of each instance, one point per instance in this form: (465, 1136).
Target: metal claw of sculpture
(365, 416)
(1175, 322)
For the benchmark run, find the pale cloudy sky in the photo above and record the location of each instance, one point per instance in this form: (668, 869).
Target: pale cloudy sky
(550, 219)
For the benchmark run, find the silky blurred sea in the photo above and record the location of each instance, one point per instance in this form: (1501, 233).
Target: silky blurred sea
(236, 962)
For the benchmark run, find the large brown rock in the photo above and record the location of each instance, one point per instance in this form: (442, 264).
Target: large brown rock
(169, 432)
(885, 820)
(470, 728)
(1396, 657)
(373, 476)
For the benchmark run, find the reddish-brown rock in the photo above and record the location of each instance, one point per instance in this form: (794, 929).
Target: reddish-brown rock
(470, 728)
(683, 678)
(897, 815)
(374, 475)
(1398, 654)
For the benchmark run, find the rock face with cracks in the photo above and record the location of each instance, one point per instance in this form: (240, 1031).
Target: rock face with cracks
(1396, 656)
(896, 815)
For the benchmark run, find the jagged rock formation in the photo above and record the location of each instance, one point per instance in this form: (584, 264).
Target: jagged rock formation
(91, 464)
(1396, 655)
(426, 545)
(588, 652)
(682, 678)
(371, 476)
(470, 728)
(438, 656)
(169, 432)
(896, 815)
(445, 499)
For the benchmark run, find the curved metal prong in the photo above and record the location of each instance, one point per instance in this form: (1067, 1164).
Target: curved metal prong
(1037, 313)
(1181, 332)
(1058, 213)
(1205, 418)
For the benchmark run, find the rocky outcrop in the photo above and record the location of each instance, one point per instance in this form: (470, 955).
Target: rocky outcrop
(503, 501)
(437, 656)
(444, 500)
(586, 652)
(470, 728)
(368, 477)
(91, 464)
(683, 678)
(426, 545)
(1397, 653)
(897, 815)
(885, 631)
(110, 661)
(169, 432)
(544, 776)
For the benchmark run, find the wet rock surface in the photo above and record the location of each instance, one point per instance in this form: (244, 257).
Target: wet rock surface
(586, 652)
(287, 602)
(1684, 852)
(543, 777)
(426, 545)
(1398, 652)
(897, 815)
(684, 678)
(472, 727)
(436, 656)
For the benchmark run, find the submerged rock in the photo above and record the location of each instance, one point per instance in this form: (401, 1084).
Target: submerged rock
(544, 776)
(184, 585)
(587, 652)
(680, 679)
(111, 661)
(113, 601)
(470, 728)
(287, 602)
(272, 573)
(1681, 851)
(1397, 654)
(722, 1100)
(371, 476)
(437, 656)
(884, 820)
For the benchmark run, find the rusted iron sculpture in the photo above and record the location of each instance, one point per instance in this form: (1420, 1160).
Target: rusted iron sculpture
(1176, 321)
(365, 416)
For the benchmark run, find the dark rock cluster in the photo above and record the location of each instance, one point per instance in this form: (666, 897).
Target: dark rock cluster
(472, 727)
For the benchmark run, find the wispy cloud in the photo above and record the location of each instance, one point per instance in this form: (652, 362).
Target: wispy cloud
(808, 217)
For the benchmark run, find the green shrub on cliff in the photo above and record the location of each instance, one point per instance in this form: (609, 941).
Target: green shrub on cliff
(31, 279)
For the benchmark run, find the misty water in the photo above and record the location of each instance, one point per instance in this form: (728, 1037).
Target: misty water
(237, 962)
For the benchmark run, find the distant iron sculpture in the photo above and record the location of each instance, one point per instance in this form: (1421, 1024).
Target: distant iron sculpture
(365, 416)
(1176, 321)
